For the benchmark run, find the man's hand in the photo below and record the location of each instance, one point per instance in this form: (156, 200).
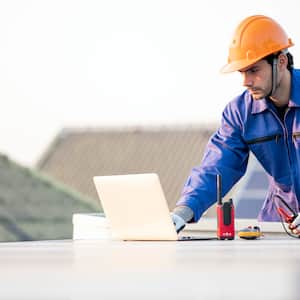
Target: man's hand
(178, 222)
(295, 226)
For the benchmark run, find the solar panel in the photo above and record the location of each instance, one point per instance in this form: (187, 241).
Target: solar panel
(257, 180)
(251, 191)
(248, 208)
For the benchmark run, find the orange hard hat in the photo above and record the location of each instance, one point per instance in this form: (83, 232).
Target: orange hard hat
(255, 38)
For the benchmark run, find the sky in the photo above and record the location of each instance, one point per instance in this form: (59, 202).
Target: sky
(117, 63)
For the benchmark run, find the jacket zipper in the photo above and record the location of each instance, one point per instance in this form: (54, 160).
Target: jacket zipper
(265, 139)
(285, 136)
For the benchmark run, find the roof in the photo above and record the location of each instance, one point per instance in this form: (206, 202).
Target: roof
(76, 155)
(35, 207)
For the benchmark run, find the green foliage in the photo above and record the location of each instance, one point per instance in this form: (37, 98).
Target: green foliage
(34, 206)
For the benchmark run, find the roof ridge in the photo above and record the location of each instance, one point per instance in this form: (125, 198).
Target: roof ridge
(157, 127)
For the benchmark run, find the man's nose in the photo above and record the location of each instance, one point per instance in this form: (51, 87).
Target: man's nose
(246, 80)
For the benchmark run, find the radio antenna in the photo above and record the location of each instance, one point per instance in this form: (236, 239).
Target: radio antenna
(219, 189)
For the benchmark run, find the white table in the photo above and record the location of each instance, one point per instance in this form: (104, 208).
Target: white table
(261, 269)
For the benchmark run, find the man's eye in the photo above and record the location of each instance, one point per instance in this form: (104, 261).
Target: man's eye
(254, 70)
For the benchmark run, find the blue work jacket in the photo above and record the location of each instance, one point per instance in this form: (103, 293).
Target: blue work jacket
(251, 125)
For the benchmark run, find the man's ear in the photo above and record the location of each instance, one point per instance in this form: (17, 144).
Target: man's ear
(282, 61)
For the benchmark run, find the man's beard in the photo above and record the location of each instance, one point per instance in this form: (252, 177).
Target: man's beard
(257, 93)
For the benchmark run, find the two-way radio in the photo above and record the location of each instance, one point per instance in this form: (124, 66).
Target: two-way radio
(225, 215)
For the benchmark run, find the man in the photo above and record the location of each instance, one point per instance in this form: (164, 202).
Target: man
(264, 119)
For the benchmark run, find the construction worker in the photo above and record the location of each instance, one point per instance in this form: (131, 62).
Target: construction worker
(264, 119)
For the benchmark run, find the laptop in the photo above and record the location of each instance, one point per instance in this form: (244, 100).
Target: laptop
(136, 208)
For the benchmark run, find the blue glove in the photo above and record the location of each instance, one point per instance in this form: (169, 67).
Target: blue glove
(178, 222)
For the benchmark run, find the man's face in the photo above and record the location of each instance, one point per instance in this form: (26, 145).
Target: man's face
(258, 79)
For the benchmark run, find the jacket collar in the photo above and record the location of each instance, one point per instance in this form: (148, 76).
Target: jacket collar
(295, 90)
(259, 106)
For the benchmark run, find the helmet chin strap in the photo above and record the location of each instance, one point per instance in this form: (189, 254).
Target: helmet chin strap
(274, 76)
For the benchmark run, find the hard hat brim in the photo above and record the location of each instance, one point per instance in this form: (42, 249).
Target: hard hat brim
(238, 65)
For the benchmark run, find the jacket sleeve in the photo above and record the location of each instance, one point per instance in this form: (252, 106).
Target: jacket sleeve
(225, 154)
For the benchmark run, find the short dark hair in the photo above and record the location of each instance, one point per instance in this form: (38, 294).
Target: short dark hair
(290, 58)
